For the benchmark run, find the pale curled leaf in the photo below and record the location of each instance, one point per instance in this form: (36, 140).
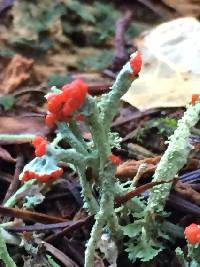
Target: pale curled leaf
(170, 73)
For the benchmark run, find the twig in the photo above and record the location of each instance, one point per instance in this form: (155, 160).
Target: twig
(141, 169)
(185, 206)
(42, 227)
(69, 229)
(51, 226)
(74, 225)
(30, 215)
(63, 258)
(159, 9)
(15, 181)
(99, 88)
(135, 115)
(139, 190)
(120, 54)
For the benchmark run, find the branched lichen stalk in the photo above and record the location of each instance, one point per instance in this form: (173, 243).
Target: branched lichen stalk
(98, 118)
(173, 159)
(99, 121)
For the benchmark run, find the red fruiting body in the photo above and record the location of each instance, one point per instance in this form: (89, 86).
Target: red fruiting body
(37, 140)
(62, 105)
(50, 120)
(115, 159)
(80, 117)
(27, 175)
(41, 149)
(55, 103)
(195, 97)
(39, 144)
(192, 234)
(136, 63)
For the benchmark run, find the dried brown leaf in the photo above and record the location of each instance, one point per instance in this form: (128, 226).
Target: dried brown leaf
(186, 191)
(129, 169)
(185, 7)
(17, 72)
(5, 155)
(21, 126)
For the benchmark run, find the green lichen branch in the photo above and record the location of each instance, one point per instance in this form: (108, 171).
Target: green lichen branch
(105, 216)
(109, 103)
(174, 158)
(4, 256)
(13, 137)
(20, 193)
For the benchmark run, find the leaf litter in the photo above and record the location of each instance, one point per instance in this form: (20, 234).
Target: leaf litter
(48, 49)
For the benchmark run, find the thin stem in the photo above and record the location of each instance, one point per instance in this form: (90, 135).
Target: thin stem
(69, 136)
(77, 132)
(174, 158)
(56, 140)
(105, 215)
(110, 102)
(99, 136)
(67, 155)
(27, 137)
(95, 234)
(4, 256)
(19, 193)
(89, 200)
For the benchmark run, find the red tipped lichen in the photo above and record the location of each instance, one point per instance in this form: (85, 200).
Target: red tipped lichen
(192, 234)
(62, 105)
(115, 159)
(27, 175)
(43, 169)
(195, 97)
(50, 119)
(136, 63)
(40, 143)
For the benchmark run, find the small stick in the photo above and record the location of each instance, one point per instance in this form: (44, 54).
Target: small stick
(45, 227)
(29, 215)
(15, 181)
(59, 255)
(142, 168)
(74, 225)
(120, 54)
(119, 200)
(69, 229)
